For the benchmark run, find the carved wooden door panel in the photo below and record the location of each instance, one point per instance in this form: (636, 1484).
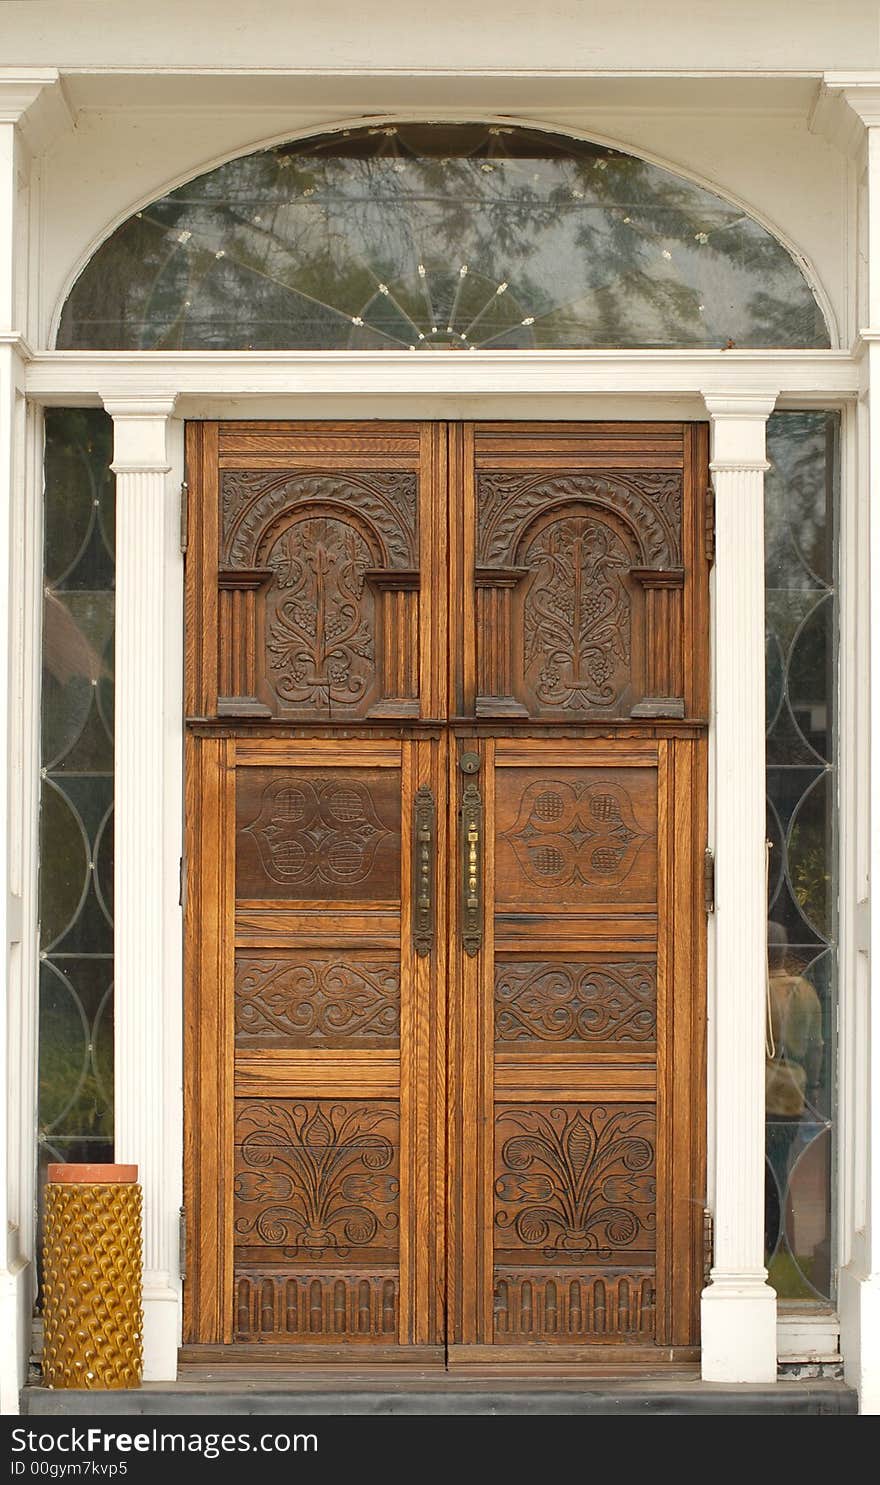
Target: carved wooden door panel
(576, 1008)
(446, 791)
(316, 1012)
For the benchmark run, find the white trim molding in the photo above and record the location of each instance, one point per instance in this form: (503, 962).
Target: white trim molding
(738, 1306)
(34, 98)
(239, 384)
(859, 1142)
(19, 744)
(24, 103)
(853, 100)
(148, 790)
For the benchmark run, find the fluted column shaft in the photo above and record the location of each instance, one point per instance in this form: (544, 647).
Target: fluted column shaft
(146, 1117)
(738, 1307)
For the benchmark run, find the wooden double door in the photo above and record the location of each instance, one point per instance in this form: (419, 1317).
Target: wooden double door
(446, 794)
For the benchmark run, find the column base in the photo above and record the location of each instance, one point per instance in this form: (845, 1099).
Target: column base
(738, 1320)
(859, 1306)
(16, 1304)
(161, 1328)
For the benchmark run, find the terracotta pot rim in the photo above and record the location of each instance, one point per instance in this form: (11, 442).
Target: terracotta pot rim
(60, 1174)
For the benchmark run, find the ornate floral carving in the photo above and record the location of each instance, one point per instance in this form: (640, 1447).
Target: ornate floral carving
(568, 833)
(576, 614)
(649, 501)
(575, 1180)
(316, 1176)
(576, 1002)
(324, 1001)
(320, 616)
(313, 829)
(256, 502)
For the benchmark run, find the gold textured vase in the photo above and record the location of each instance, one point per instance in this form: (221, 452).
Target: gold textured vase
(92, 1316)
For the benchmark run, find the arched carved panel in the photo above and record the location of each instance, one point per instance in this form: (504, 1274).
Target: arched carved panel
(569, 623)
(321, 637)
(328, 564)
(648, 501)
(576, 615)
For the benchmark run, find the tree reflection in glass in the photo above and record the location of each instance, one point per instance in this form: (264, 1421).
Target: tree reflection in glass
(440, 236)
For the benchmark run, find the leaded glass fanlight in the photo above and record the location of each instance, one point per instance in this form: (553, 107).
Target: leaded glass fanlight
(436, 236)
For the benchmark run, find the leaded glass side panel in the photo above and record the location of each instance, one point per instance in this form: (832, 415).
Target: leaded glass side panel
(76, 803)
(801, 698)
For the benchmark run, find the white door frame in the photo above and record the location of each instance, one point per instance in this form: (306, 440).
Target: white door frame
(148, 397)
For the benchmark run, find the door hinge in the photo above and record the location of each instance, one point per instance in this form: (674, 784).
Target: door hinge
(708, 1244)
(709, 524)
(709, 881)
(181, 895)
(181, 1244)
(184, 515)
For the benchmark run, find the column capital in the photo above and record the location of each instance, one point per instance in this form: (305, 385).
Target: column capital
(33, 98)
(136, 405)
(739, 424)
(847, 106)
(751, 405)
(140, 431)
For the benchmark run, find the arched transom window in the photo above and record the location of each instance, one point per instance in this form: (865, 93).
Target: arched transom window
(440, 237)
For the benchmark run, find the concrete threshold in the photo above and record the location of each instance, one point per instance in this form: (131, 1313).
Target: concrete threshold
(267, 1396)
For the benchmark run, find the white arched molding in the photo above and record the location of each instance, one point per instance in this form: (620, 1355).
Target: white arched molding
(321, 126)
(147, 463)
(738, 1306)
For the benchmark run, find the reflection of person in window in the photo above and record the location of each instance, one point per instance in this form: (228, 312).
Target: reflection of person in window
(794, 1051)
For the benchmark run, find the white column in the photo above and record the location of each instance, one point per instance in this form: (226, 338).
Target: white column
(147, 846)
(738, 1306)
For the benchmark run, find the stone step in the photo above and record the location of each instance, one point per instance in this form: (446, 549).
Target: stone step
(685, 1398)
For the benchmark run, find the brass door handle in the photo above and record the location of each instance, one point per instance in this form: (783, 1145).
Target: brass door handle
(471, 822)
(424, 833)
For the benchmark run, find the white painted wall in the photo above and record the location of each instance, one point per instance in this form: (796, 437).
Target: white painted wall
(679, 35)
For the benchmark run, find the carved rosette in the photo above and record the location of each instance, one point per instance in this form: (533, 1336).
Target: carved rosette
(317, 830)
(571, 833)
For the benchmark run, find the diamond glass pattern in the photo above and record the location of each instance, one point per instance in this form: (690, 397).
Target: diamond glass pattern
(439, 237)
